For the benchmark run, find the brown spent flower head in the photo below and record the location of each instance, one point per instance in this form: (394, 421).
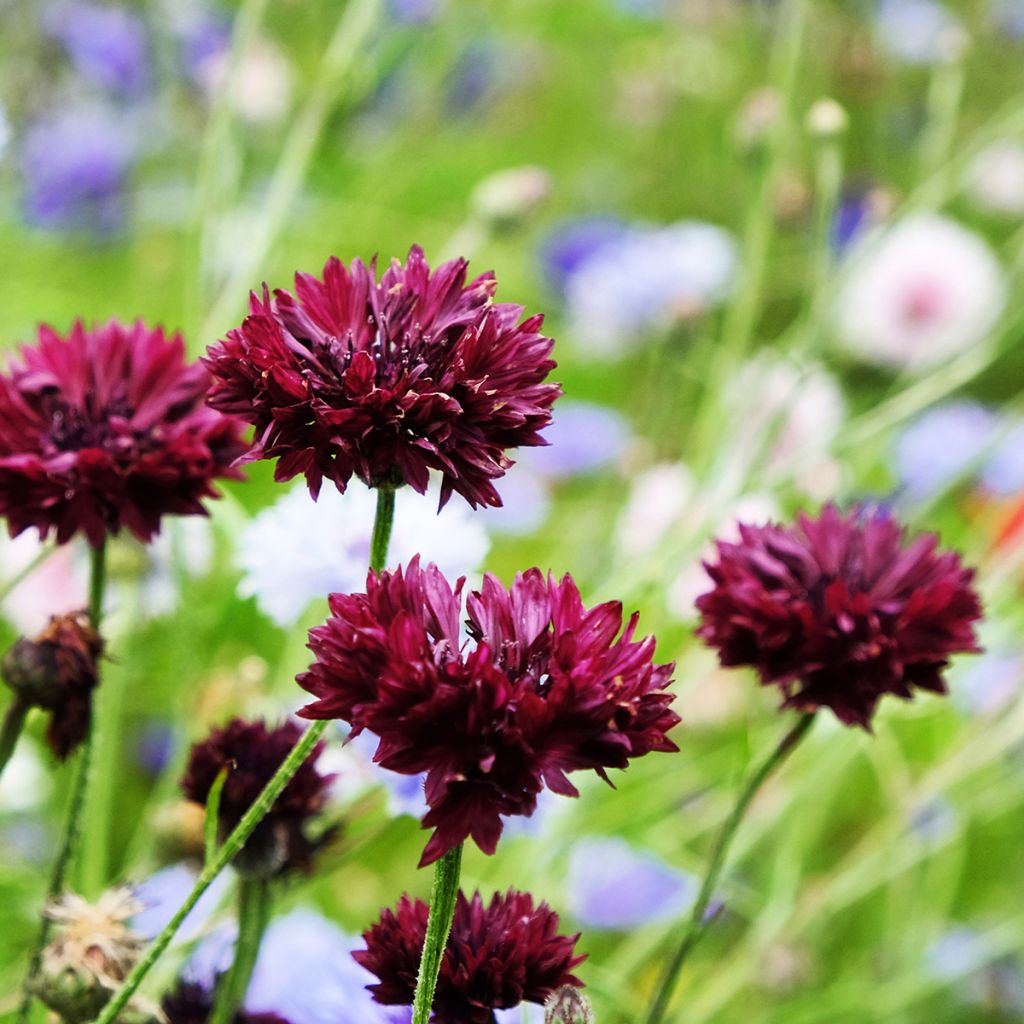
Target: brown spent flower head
(840, 610)
(568, 1005)
(388, 380)
(251, 753)
(106, 429)
(497, 957)
(58, 671)
(93, 951)
(544, 687)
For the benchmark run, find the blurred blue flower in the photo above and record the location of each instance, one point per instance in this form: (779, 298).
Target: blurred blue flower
(614, 886)
(915, 31)
(473, 76)
(987, 684)
(526, 502)
(1003, 472)
(203, 36)
(937, 447)
(572, 242)
(525, 1013)
(642, 283)
(163, 892)
(74, 170)
(107, 45)
(154, 746)
(305, 973)
(933, 820)
(414, 12)
(854, 214)
(1008, 17)
(955, 954)
(641, 8)
(582, 438)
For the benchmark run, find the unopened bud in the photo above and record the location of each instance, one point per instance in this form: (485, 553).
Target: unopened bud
(509, 197)
(757, 117)
(567, 1005)
(826, 119)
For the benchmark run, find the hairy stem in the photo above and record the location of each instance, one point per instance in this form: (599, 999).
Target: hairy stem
(695, 927)
(439, 926)
(252, 817)
(76, 802)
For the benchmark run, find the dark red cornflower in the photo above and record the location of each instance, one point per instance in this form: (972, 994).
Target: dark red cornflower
(497, 957)
(192, 1003)
(387, 381)
(107, 428)
(57, 671)
(252, 753)
(839, 610)
(544, 687)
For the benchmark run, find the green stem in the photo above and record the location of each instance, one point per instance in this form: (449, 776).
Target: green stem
(11, 729)
(695, 927)
(256, 813)
(76, 802)
(439, 925)
(234, 842)
(253, 915)
(382, 524)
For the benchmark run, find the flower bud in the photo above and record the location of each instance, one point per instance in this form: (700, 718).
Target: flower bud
(505, 199)
(567, 1005)
(57, 671)
(826, 119)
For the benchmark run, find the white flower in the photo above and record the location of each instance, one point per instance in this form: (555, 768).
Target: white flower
(260, 85)
(657, 500)
(782, 415)
(919, 293)
(995, 178)
(641, 283)
(299, 549)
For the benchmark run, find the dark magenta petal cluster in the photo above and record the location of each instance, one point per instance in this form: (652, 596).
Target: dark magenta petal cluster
(839, 610)
(541, 686)
(498, 956)
(250, 753)
(192, 1003)
(388, 380)
(108, 428)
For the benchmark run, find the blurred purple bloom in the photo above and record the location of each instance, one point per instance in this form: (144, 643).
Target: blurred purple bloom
(987, 684)
(583, 437)
(613, 886)
(414, 12)
(154, 746)
(202, 38)
(74, 169)
(525, 1013)
(1008, 17)
(937, 447)
(305, 973)
(1003, 472)
(473, 76)
(955, 954)
(852, 215)
(933, 820)
(915, 31)
(526, 504)
(572, 242)
(641, 8)
(107, 45)
(162, 893)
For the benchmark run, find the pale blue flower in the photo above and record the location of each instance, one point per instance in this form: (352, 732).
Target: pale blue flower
(915, 31)
(162, 893)
(614, 886)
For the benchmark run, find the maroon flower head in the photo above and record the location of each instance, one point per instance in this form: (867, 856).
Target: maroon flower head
(497, 957)
(543, 687)
(105, 429)
(58, 671)
(252, 753)
(387, 381)
(192, 1003)
(839, 610)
